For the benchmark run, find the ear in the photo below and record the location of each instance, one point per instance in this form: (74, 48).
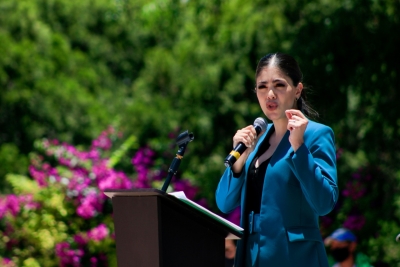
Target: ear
(299, 88)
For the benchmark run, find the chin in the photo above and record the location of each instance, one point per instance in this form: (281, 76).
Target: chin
(271, 116)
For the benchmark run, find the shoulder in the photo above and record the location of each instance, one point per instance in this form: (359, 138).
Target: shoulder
(318, 132)
(315, 127)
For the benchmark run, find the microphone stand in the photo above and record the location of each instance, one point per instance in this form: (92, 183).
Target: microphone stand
(182, 140)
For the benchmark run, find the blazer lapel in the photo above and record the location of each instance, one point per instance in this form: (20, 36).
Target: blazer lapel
(267, 134)
(282, 150)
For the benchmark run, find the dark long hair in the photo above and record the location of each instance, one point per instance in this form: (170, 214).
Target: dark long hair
(289, 66)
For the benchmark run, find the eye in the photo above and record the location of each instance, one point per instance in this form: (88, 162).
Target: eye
(261, 86)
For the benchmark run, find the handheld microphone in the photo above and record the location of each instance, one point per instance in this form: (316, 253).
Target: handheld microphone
(260, 125)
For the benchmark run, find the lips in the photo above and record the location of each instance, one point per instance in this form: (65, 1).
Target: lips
(272, 105)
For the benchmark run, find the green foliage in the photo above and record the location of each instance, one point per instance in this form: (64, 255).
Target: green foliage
(154, 68)
(116, 157)
(22, 184)
(345, 49)
(61, 215)
(37, 231)
(12, 161)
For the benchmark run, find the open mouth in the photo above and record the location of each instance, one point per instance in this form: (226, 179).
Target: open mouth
(271, 106)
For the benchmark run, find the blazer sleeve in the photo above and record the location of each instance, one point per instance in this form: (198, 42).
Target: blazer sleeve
(228, 194)
(314, 164)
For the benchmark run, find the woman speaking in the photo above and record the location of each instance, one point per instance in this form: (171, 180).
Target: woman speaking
(286, 178)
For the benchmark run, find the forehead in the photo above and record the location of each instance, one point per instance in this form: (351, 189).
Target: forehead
(271, 74)
(339, 244)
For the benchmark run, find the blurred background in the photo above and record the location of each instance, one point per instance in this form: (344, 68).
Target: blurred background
(94, 93)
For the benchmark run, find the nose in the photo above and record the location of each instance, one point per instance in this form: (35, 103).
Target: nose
(270, 94)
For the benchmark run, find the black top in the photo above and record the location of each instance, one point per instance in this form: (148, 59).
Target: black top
(255, 177)
(255, 184)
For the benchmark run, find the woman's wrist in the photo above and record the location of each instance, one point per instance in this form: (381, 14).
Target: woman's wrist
(297, 145)
(237, 167)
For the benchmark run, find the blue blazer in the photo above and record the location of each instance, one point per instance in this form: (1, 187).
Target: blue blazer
(298, 188)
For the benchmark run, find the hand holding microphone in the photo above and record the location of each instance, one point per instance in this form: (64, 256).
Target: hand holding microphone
(243, 139)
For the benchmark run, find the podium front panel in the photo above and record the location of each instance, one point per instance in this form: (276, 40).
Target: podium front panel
(136, 231)
(160, 231)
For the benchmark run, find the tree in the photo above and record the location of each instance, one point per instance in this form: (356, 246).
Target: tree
(155, 68)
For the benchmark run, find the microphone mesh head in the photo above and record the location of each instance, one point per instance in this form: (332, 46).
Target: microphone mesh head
(261, 123)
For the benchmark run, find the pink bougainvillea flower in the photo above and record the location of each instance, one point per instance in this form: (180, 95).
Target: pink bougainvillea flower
(99, 233)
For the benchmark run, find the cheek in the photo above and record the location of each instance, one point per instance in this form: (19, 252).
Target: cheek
(289, 99)
(261, 95)
(261, 100)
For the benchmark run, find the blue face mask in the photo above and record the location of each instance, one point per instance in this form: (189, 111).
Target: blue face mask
(340, 254)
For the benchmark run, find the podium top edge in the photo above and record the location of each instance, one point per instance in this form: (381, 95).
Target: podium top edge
(231, 233)
(133, 192)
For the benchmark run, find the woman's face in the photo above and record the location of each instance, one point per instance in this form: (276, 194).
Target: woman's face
(276, 93)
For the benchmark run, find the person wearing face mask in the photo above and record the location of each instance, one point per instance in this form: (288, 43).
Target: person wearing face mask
(342, 245)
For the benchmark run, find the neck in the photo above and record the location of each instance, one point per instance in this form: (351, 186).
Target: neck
(349, 262)
(280, 127)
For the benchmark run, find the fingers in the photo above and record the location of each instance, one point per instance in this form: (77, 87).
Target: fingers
(246, 135)
(291, 124)
(294, 112)
(288, 114)
(296, 119)
(297, 124)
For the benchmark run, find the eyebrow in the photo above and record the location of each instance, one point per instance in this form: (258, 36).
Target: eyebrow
(274, 81)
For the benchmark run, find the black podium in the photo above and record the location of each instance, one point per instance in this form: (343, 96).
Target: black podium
(155, 229)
